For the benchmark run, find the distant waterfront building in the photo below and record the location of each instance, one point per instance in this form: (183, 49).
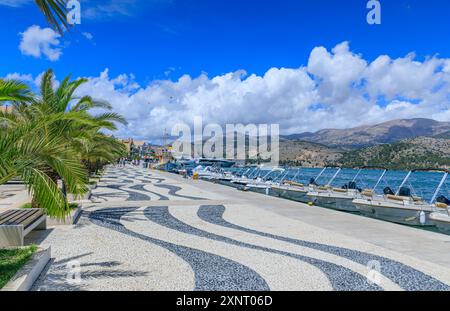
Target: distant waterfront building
(145, 150)
(127, 143)
(136, 147)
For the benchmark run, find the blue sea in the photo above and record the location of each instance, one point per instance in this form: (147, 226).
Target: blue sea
(422, 184)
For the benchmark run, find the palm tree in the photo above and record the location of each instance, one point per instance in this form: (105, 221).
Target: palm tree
(84, 135)
(29, 151)
(28, 147)
(99, 149)
(55, 12)
(54, 136)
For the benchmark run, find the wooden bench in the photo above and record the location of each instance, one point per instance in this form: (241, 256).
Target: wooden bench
(15, 224)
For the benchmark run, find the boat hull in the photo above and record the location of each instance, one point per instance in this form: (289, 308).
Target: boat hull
(291, 194)
(441, 221)
(393, 212)
(229, 183)
(341, 203)
(260, 189)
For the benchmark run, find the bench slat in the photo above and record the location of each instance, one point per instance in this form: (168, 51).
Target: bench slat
(22, 217)
(17, 216)
(6, 214)
(20, 220)
(10, 216)
(28, 222)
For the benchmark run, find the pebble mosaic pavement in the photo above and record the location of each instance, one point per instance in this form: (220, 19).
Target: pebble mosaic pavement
(147, 230)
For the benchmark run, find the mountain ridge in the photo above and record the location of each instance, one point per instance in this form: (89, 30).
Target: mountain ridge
(370, 135)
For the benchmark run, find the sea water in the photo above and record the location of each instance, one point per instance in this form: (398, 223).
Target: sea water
(422, 184)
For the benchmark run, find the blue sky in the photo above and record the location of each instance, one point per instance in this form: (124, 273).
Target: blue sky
(152, 37)
(303, 64)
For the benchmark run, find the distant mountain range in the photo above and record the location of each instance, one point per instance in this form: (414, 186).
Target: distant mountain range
(420, 152)
(384, 133)
(399, 144)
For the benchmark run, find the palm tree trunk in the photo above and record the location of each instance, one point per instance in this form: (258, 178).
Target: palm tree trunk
(64, 189)
(35, 203)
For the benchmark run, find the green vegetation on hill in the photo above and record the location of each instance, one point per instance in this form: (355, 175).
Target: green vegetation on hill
(445, 135)
(422, 152)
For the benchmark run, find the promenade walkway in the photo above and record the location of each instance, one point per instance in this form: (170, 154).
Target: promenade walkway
(149, 230)
(13, 195)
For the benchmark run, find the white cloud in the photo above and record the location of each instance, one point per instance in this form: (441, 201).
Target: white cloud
(19, 77)
(336, 89)
(106, 9)
(88, 35)
(37, 41)
(109, 8)
(337, 71)
(14, 3)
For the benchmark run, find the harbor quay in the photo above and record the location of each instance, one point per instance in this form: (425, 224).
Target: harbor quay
(148, 230)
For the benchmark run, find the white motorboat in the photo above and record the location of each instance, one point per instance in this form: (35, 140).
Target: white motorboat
(246, 178)
(441, 216)
(401, 207)
(295, 191)
(338, 198)
(263, 184)
(209, 173)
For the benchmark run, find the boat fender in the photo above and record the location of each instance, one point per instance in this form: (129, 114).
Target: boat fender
(422, 218)
(267, 191)
(311, 203)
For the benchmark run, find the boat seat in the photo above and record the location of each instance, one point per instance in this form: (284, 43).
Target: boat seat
(293, 183)
(397, 197)
(324, 188)
(441, 205)
(340, 190)
(367, 193)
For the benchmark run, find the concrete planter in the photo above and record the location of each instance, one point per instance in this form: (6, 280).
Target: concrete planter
(24, 279)
(69, 220)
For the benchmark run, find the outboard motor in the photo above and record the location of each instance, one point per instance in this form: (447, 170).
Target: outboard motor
(312, 182)
(443, 199)
(352, 185)
(404, 192)
(388, 191)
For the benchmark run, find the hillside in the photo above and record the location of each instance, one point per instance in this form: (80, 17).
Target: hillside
(396, 144)
(422, 152)
(383, 133)
(307, 154)
(445, 135)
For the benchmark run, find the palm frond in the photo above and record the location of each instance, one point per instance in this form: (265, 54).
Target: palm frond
(111, 117)
(55, 12)
(11, 90)
(87, 102)
(46, 192)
